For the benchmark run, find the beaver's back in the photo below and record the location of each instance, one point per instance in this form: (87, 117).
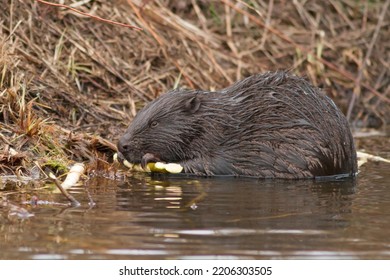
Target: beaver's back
(274, 125)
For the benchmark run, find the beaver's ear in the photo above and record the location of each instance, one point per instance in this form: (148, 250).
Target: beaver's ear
(192, 105)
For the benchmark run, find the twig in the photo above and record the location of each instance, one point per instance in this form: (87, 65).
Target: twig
(364, 157)
(229, 32)
(160, 40)
(72, 178)
(91, 202)
(356, 90)
(95, 56)
(336, 6)
(89, 15)
(150, 29)
(267, 22)
(284, 37)
(70, 197)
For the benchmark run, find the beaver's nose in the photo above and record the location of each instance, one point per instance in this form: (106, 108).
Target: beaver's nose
(123, 145)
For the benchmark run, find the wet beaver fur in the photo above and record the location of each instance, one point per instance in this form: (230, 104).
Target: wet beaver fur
(272, 125)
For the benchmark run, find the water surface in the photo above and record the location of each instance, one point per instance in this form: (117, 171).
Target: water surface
(195, 218)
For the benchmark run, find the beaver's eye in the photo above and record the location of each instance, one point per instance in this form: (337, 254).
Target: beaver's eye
(153, 124)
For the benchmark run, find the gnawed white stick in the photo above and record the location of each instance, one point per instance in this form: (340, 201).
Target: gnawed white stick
(364, 157)
(74, 175)
(159, 167)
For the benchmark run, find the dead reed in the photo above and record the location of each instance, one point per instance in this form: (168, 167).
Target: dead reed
(69, 84)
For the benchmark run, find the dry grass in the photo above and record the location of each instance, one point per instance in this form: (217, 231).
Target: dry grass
(70, 84)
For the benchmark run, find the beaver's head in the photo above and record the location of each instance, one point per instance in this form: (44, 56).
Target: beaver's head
(164, 129)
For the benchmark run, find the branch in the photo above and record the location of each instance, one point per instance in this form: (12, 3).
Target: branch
(284, 37)
(89, 15)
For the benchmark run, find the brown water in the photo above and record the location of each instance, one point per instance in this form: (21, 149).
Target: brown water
(194, 218)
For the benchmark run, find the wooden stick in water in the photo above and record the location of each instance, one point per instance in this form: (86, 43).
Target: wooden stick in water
(71, 179)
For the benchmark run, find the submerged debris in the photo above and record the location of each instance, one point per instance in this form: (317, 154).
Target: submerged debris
(14, 210)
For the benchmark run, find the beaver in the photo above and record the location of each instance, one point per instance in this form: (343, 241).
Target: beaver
(271, 125)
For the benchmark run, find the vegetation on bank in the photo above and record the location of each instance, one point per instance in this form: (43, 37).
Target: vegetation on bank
(70, 84)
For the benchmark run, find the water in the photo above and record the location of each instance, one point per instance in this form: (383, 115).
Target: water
(196, 218)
